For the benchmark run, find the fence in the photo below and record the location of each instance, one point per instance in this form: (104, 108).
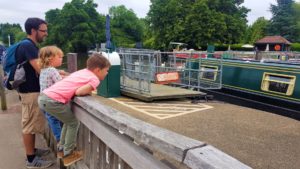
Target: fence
(114, 140)
(140, 68)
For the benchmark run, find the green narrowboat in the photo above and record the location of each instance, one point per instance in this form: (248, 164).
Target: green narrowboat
(272, 83)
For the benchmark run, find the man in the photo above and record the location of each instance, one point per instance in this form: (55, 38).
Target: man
(33, 121)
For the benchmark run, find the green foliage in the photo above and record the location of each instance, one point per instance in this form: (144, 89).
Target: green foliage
(76, 27)
(13, 30)
(126, 27)
(234, 47)
(256, 31)
(296, 9)
(20, 35)
(283, 21)
(295, 47)
(197, 22)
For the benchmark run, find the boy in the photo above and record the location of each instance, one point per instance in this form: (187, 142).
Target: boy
(56, 101)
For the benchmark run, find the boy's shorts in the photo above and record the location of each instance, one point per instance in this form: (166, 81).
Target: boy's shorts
(33, 120)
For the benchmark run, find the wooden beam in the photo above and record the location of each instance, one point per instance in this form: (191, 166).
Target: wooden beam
(131, 153)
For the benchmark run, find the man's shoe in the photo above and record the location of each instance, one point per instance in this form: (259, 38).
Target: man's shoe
(72, 158)
(38, 163)
(41, 152)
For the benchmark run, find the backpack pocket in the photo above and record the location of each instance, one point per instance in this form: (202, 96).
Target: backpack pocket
(20, 76)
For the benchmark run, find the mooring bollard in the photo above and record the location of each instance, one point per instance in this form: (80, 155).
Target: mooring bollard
(72, 62)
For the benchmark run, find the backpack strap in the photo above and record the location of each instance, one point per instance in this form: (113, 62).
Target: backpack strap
(26, 40)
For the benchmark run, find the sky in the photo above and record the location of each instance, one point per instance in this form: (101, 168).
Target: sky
(17, 11)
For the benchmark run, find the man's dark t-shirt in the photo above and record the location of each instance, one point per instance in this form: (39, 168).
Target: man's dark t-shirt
(28, 51)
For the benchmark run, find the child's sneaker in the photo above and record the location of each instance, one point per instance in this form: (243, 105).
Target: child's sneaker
(38, 163)
(60, 147)
(60, 151)
(72, 158)
(41, 152)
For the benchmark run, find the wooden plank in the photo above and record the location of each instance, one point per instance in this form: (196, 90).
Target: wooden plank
(102, 154)
(94, 158)
(80, 165)
(208, 157)
(124, 147)
(87, 146)
(159, 139)
(80, 138)
(109, 158)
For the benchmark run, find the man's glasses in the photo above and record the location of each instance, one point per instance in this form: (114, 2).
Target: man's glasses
(44, 31)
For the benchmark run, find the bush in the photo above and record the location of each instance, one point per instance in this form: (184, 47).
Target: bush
(236, 47)
(295, 47)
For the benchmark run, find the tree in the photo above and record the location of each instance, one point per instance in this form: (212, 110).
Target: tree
(257, 30)
(283, 21)
(76, 27)
(166, 19)
(197, 22)
(296, 9)
(13, 30)
(126, 28)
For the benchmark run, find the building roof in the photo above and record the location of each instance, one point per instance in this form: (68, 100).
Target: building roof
(273, 39)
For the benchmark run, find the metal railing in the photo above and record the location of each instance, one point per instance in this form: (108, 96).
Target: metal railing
(196, 71)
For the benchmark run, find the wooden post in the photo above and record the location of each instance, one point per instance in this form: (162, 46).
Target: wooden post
(2, 91)
(72, 62)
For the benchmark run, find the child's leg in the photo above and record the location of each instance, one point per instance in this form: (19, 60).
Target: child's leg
(71, 135)
(55, 126)
(63, 135)
(60, 145)
(70, 127)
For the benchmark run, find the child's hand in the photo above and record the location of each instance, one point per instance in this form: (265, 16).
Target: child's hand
(63, 73)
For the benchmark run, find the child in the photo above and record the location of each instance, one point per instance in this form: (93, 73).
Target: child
(51, 57)
(56, 100)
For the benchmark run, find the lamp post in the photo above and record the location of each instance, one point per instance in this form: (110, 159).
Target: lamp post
(8, 39)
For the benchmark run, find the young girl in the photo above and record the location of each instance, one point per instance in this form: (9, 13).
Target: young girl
(51, 57)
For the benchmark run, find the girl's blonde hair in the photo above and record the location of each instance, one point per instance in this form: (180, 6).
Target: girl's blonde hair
(47, 53)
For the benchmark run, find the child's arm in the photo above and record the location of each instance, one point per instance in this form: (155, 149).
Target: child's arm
(63, 73)
(84, 90)
(35, 65)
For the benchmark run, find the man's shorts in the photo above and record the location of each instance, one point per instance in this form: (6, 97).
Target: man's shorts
(33, 120)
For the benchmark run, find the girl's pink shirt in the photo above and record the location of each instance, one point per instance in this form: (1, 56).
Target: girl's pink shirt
(63, 90)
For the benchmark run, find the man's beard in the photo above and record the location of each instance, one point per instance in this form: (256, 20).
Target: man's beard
(40, 39)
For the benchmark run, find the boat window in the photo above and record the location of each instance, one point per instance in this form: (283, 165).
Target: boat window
(209, 72)
(278, 83)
